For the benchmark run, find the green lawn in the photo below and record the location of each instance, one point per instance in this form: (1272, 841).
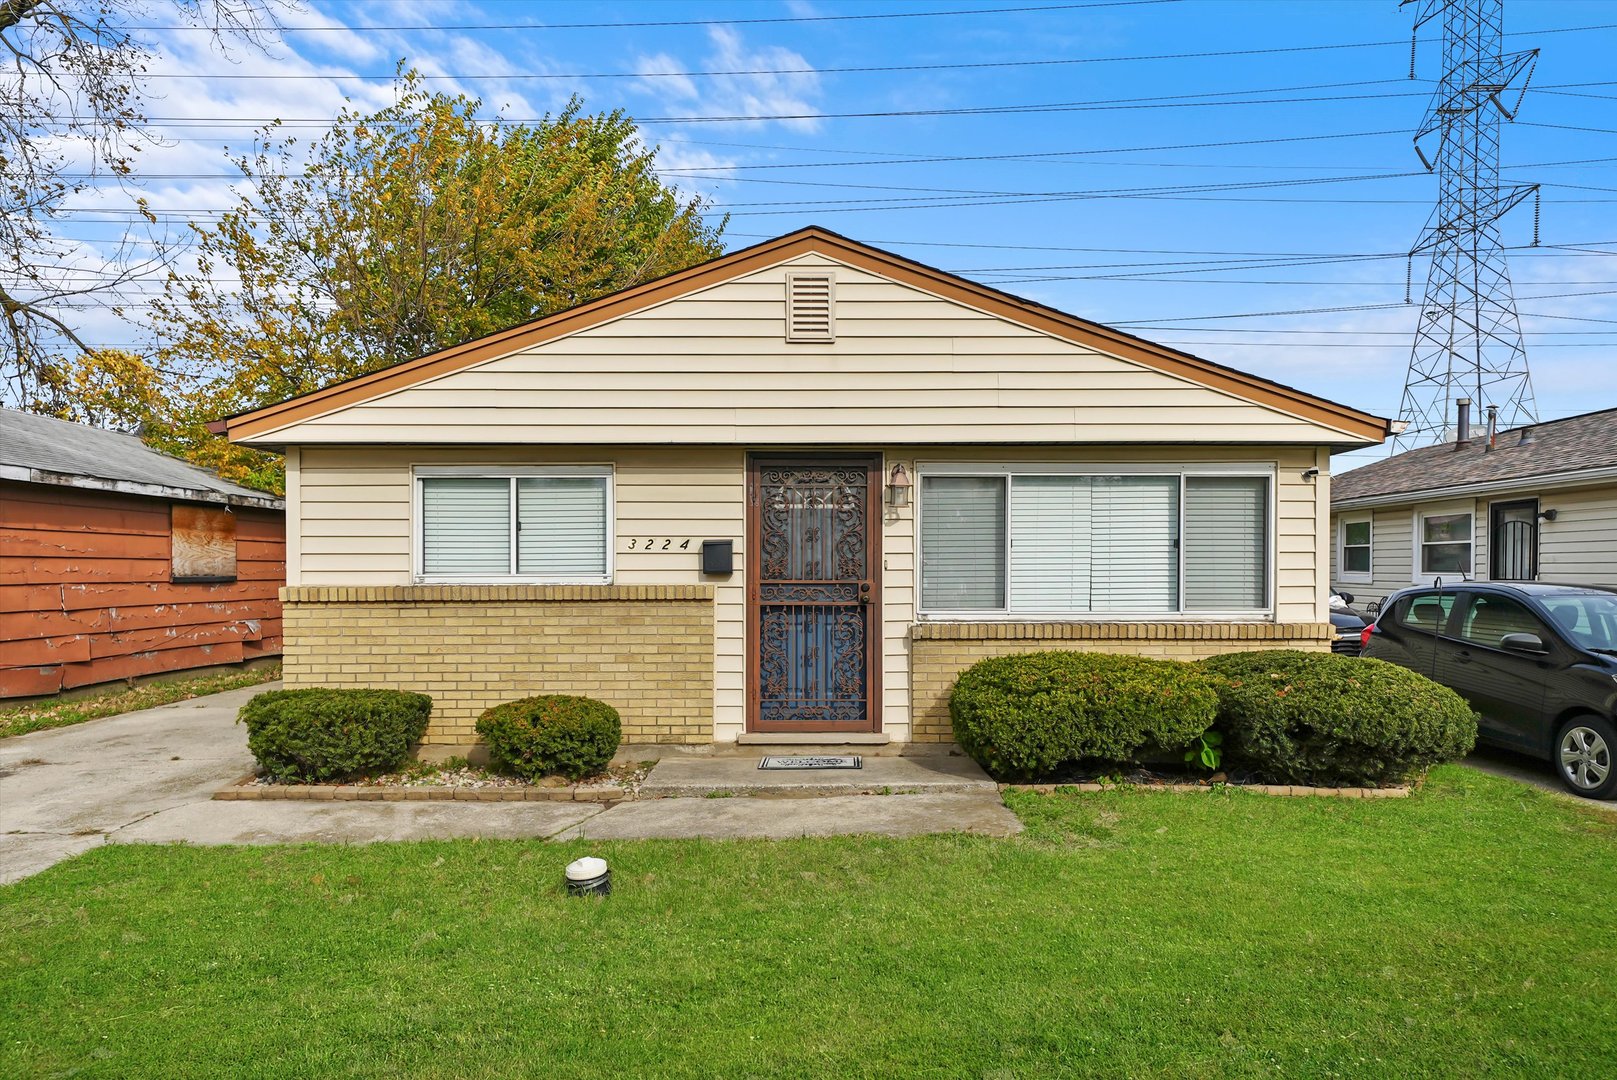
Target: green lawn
(1467, 931)
(61, 712)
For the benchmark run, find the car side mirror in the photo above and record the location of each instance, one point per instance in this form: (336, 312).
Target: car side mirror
(1345, 596)
(1523, 643)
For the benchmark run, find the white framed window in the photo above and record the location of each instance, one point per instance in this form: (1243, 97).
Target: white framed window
(1354, 548)
(1031, 540)
(1443, 543)
(543, 524)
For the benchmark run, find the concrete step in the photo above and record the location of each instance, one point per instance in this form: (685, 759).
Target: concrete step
(737, 775)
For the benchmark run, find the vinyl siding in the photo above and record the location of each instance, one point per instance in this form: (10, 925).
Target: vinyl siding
(714, 368)
(351, 510)
(1580, 545)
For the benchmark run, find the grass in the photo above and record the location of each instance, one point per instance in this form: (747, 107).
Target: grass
(57, 712)
(1466, 931)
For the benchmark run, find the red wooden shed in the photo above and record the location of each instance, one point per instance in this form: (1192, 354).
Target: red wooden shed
(117, 561)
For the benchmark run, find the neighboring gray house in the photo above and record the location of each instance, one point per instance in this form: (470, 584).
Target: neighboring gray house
(1538, 504)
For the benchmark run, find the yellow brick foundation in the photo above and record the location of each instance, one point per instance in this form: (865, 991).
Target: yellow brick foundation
(939, 652)
(646, 650)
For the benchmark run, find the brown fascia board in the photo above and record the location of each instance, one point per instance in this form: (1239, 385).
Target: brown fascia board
(812, 240)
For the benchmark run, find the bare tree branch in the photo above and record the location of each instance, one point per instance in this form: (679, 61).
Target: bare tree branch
(72, 117)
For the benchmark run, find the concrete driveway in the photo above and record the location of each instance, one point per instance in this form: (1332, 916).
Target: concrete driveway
(1530, 771)
(67, 790)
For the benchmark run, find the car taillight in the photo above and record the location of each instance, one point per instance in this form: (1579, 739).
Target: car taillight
(1364, 636)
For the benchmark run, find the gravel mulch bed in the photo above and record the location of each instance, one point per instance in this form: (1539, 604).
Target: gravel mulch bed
(1178, 780)
(616, 783)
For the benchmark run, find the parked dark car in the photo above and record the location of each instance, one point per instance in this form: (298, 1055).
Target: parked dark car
(1538, 662)
(1348, 638)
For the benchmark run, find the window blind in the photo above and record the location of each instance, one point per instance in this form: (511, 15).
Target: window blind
(561, 526)
(465, 525)
(1050, 543)
(1226, 543)
(1135, 548)
(963, 543)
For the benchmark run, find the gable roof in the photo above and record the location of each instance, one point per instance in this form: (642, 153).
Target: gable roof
(1576, 444)
(1357, 425)
(45, 450)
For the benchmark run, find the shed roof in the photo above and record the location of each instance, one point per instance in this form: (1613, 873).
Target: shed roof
(1556, 449)
(45, 450)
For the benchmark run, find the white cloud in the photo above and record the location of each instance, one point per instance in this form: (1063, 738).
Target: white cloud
(793, 93)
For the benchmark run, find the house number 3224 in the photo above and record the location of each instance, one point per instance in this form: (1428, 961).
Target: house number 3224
(657, 543)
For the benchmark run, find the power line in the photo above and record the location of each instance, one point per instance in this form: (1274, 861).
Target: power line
(1098, 105)
(700, 22)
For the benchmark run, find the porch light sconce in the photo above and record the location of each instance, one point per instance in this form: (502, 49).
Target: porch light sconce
(1310, 474)
(1549, 515)
(898, 486)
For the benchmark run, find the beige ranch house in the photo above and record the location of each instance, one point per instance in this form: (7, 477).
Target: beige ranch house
(787, 496)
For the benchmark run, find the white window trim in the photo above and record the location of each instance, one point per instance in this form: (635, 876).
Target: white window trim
(1265, 470)
(513, 473)
(1342, 572)
(1418, 575)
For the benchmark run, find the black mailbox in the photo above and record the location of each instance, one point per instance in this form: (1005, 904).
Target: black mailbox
(718, 557)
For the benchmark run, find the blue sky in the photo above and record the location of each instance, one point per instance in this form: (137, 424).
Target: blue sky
(1123, 178)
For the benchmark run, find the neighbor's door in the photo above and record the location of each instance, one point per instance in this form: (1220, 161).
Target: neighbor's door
(1513, 541)
(813, 593)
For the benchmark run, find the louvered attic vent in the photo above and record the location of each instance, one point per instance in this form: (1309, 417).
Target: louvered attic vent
(811, 307)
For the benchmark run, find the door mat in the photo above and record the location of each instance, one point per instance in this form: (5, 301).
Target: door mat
(828, 761)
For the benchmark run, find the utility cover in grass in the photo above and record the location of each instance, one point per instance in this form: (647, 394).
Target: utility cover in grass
(827, 761)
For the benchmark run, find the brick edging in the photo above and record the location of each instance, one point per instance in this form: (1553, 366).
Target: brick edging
(431, 594)
(1261, 789)
(1120, 631)
(242, 791)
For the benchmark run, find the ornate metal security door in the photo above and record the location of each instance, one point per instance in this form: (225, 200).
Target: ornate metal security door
(813, 589)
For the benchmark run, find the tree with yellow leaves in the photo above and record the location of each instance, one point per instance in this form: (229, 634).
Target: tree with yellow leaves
(399, 233)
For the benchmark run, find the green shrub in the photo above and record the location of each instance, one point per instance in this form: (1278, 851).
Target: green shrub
(555, 733)
(312, 735)
(1317, 718)
(1023, 716)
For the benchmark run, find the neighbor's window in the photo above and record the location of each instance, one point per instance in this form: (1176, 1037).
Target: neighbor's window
(1445, 543)
(539, 525)
(1067, 543)
(1353, 554)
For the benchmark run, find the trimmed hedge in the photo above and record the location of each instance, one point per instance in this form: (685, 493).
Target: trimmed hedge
(553, 733)
(1318, 718)
(1023, 716)
(307, 736)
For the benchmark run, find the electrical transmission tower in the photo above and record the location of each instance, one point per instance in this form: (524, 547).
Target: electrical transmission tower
(1468, 342)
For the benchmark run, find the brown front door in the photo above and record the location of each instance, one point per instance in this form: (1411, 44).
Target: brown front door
(813, 593)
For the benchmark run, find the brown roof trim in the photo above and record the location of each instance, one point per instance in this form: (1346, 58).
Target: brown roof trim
(811, 240)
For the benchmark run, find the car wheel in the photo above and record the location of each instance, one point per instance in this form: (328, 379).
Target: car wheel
(1583, 751)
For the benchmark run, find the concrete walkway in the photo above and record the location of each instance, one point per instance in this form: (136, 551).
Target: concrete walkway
(149, 777)
(738, 774)
(286, 822)
(64, 791)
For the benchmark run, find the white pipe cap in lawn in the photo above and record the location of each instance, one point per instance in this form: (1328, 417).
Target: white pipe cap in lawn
(589, 876)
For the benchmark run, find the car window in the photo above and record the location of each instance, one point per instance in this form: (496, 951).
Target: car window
(1489, 618)
(1427, 612)
(1586, 619)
